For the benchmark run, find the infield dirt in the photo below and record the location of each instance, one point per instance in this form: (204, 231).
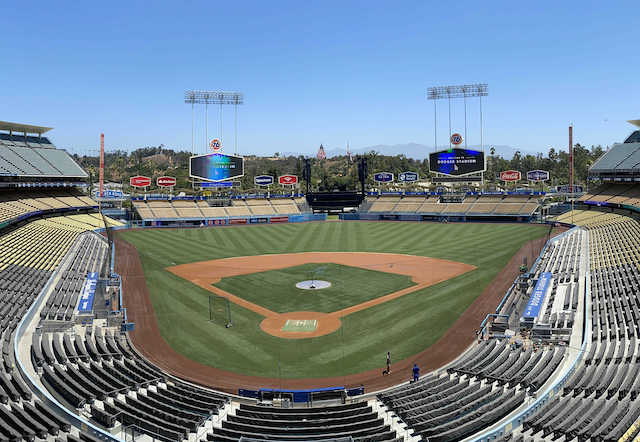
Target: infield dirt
(424, 271)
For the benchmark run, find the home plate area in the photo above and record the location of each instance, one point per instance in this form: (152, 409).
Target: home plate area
(300, 325)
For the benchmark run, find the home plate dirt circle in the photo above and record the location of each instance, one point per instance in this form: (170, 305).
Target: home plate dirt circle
(300, 325)
(313, 284)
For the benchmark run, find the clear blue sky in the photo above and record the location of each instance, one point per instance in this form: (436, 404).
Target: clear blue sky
(319, 72)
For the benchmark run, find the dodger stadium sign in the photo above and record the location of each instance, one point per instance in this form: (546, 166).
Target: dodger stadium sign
(457, 162)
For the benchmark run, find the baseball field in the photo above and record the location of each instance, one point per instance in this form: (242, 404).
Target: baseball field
(395, 287)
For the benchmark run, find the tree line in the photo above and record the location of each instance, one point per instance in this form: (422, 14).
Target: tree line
(336, 173)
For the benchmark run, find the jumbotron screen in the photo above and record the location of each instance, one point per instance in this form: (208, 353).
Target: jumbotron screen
(457, 162)
(216, 167)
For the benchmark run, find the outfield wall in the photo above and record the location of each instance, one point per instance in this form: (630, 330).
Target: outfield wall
(414, 217)
(240, 220)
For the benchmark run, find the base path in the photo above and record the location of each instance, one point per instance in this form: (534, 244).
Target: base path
(147, 339)
(424, 271)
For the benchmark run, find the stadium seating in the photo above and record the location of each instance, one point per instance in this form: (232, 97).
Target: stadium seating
(28, 255)
(492, 378)
(615, 194)
(600, 401)
(36, 159)
(357, 421)
(200, 209)
(100, 374)
(14, 204)
(471, 205)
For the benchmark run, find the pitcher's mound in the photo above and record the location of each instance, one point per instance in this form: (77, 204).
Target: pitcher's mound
(313, 284)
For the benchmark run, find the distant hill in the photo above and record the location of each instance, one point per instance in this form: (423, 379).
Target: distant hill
(410, 150)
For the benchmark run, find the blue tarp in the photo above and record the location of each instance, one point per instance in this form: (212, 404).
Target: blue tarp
(88, 293)
(536, 300)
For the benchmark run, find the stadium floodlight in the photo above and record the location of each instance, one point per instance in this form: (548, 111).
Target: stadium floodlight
(461, 91)
(457, 91)
(194, 97)
(213, 97)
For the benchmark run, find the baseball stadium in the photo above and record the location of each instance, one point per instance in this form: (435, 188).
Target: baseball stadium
(285, 313)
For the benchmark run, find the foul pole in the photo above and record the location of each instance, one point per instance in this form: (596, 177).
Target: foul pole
(101, 165)
(571, 169)
(570, 158)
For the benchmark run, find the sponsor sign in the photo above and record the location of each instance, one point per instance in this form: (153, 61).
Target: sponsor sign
(223, 184)
(383, 177)
(565, 189)
(510, 175)
(457, 162)
(456, 179)
(238, 221)
(532, 310)
(87, 294)
(279, 219)
(166, 181)
(263, 180)
(140, 181)
(114, 194)
(456, 139)
(538, 175)
(408, 177)
(216, 167)
(259, 220)
(288, 180)
(215, 145)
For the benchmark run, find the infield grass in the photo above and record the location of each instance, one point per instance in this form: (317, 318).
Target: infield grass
(405, 326)
(277, 291)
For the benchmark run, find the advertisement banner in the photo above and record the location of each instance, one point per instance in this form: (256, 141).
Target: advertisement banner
(408, 177)
(140, 181)
(85, 303)
(166, 181)
(263, 180)
(510, 175)
(532, 310)
(288, 180)
(538, 175)
(383, 177)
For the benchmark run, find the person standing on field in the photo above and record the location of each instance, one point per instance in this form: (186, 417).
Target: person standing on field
(388, 362)
(416, 372)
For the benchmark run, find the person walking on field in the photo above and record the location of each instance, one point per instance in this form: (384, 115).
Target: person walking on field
(416, 372)
(388, 362)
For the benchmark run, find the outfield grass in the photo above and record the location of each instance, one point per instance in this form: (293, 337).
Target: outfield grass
(405, 326)
(277, 291)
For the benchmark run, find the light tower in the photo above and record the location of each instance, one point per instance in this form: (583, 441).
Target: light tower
(463, 91)
(213, 97)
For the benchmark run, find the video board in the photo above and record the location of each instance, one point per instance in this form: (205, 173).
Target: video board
(457, 162)
(216, 167)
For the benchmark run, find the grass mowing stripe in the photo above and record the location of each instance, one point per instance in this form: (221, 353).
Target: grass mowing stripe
(405, 325)
(276, 290)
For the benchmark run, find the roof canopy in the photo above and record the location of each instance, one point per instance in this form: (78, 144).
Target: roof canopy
(635, 122)
(23, 128)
